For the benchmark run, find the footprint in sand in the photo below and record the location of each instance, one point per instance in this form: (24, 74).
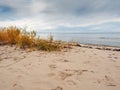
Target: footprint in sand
(86, 62)
(17, 87)
(2, 53)
(117, 67)
(71, 82)
(1, 59)
(112, 56)
(77, 73)
(52, 66)
(64, 75)
(113, 60)
(109, 81)
(63, 60)
(109, 56)
(99, 81)
(68, 72)
(58, 88)
(80, 72)
(20, 77)
(115, 57)
(51, 74)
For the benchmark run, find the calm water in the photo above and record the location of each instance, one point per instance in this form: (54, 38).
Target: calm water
(112, 39)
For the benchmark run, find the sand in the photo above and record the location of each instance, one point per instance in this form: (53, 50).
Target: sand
(78, 68)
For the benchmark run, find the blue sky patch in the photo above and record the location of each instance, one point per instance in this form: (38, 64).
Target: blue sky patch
(5, 9)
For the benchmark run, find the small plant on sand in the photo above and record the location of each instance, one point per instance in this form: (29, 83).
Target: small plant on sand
(13, 35)
(24, 39)
(50, 38)
(3, 35)
(46, 45)
(9, 35)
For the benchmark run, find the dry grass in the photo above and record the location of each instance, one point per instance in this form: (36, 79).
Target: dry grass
(24, 39)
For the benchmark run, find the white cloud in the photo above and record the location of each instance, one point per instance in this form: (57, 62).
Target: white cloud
(47, 14)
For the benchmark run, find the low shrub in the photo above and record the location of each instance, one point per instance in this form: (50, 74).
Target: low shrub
(24, 39)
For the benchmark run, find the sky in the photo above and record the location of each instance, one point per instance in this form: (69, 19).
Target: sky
(60, 15)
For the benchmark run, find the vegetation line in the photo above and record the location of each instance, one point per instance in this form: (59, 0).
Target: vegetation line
(23, 39)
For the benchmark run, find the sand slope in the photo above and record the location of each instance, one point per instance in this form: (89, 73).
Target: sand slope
(76, 69)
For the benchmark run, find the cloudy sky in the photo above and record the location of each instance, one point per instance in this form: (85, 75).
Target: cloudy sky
(77, 15)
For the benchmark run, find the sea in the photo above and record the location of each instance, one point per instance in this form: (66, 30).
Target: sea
(99, 38)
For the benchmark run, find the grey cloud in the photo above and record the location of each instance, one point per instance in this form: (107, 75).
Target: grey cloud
(82, 11)
(63, 12)
(65, 7)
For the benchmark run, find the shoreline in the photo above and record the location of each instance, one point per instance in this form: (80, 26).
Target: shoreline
(91, 46)
(94, 46)
(101, 47)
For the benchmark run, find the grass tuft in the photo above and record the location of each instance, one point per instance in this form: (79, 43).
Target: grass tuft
(24, 39)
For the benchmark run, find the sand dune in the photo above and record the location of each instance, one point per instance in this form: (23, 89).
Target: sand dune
(79, 68)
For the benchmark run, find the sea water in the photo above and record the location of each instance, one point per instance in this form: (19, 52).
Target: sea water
(112, 39)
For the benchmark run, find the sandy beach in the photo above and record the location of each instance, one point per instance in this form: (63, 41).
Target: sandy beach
(79, 68)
